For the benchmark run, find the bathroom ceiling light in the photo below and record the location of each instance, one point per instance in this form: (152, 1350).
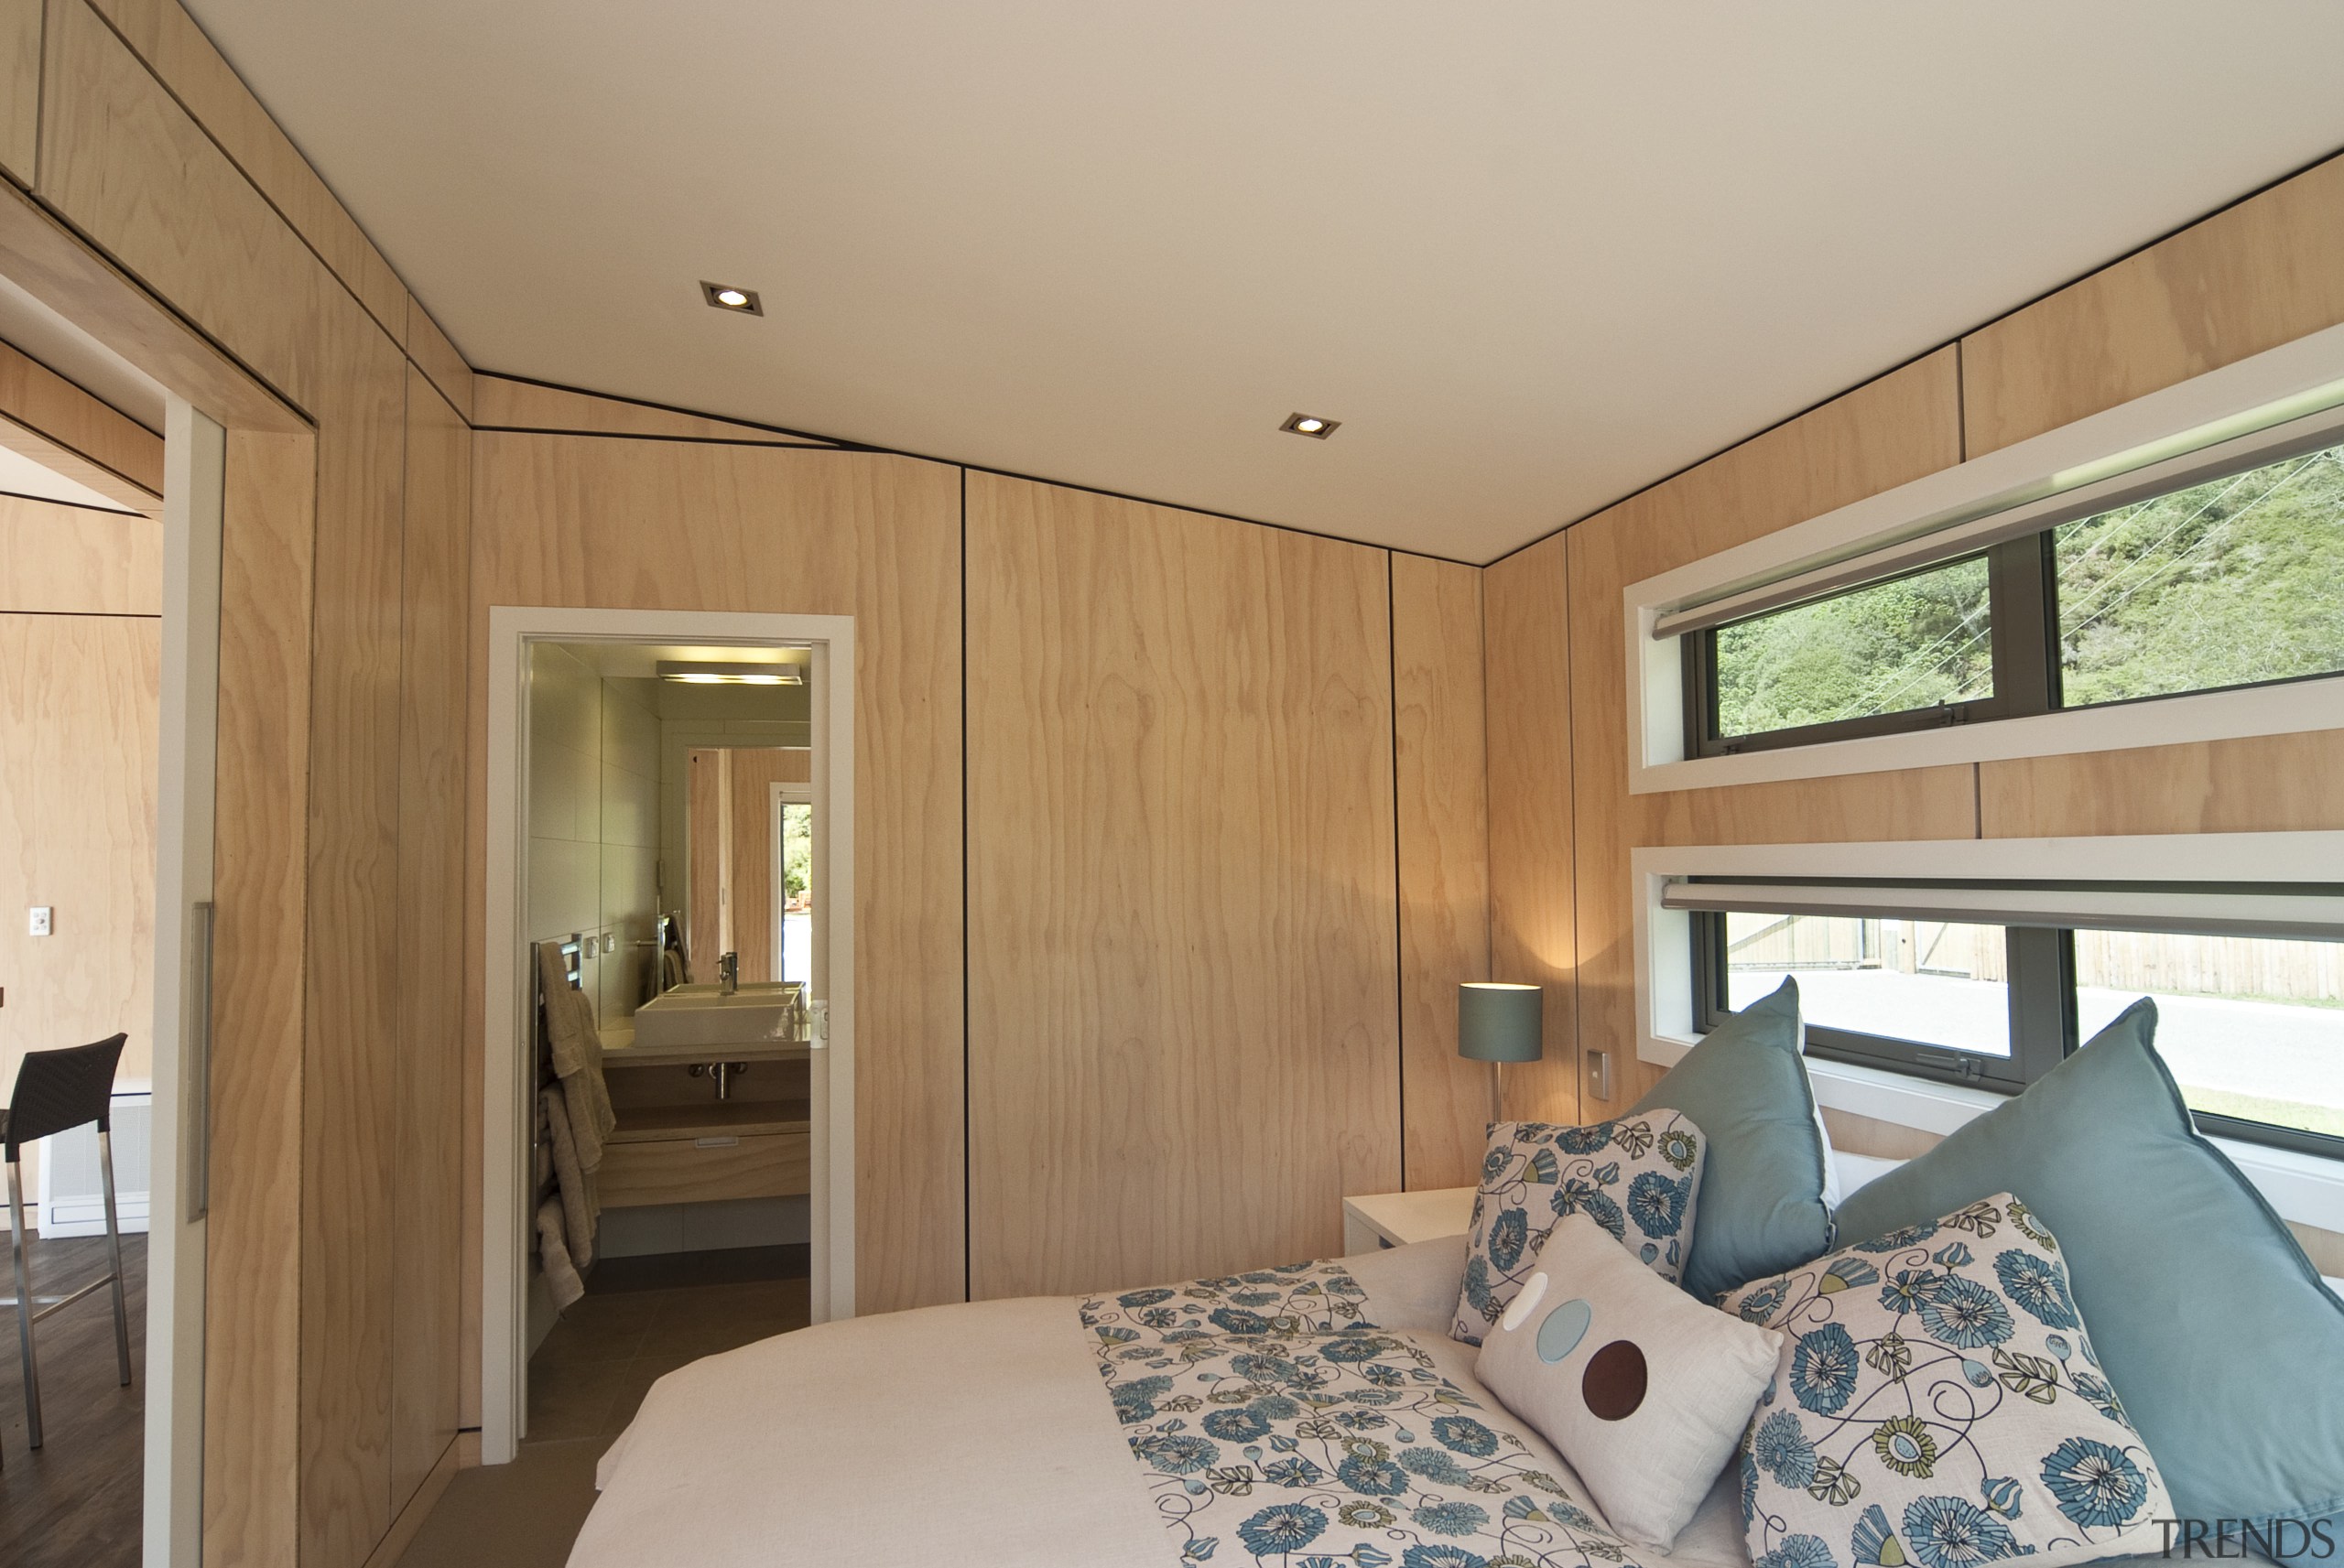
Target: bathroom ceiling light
(1314, 425)
(697, 674)
(728, 296)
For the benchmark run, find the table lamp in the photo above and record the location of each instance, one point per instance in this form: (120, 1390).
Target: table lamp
(1499, 1021)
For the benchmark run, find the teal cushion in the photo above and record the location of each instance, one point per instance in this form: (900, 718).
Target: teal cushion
(1762, 1209)
(2224, 1345)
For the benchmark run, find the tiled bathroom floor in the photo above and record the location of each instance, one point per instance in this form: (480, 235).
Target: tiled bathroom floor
(585, 1382)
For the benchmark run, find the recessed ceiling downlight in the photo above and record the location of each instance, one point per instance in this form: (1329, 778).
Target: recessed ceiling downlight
(731, 296)
(1315, 425)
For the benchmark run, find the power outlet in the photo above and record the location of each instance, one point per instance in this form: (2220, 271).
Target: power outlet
(41, 919)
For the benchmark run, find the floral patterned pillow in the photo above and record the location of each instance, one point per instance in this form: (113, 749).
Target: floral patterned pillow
(1938, 1405)
(1637, 1177)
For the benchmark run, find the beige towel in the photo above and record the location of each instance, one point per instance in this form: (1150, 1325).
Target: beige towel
(553, 1256)
(577, 1049)
(581, 1205)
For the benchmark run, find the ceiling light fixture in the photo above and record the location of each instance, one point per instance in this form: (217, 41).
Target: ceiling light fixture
(693, 673)
(726, 297)
(1310, 424)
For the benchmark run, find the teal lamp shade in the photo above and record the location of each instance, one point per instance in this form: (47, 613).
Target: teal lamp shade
(1497, 1021)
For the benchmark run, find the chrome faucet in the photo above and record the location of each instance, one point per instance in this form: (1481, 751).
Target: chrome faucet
(728, 974)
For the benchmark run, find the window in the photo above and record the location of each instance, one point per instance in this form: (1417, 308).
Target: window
(2227, 582)
(2252, 1027)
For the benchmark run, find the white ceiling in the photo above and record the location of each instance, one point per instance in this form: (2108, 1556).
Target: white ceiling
(1534, 254)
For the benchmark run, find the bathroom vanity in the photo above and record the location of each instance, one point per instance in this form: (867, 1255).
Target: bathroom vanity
(710, 1092)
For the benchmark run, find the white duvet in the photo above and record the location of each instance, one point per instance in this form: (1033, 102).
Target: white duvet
(981, 1434)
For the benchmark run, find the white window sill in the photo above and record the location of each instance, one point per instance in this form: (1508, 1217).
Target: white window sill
(2305, 1188)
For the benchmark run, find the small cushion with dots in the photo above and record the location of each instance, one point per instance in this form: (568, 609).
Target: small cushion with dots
(1643, 1389)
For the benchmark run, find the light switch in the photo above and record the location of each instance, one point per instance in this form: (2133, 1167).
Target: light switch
(1598, 1074)
(40, 921)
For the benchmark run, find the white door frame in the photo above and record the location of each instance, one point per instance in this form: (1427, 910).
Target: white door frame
(194, 470)
(506, 1095)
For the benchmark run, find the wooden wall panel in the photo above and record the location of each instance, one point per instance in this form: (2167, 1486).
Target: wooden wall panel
(427, 1270)
(1533, 833)
(1441, 775)
(2248, 279)
(503, 403)
(436, 357)
(19, 88)
(168, 42)
(2268, 783)
(124, 163)
(80, 705)
(252, 1413)
(55, 423)
(71, 560)
(1884, 433)
(1182, 1047)
(350, 1082)
(707, 791)
(596, 521)
(755, 770)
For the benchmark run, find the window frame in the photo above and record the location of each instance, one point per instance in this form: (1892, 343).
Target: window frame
(2256, 410)
(2041, 963)
(2022, 627)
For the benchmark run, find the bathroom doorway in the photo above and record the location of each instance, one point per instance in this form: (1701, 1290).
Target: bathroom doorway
(668, 1116)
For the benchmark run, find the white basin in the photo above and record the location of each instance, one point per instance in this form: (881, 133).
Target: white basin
(702, 1015)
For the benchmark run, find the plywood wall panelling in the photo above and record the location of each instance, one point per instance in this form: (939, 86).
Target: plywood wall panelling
(2249, 278)
(171, 44)
(79, 726)
(755, 773)
(428, 1269)
(1533, 864)
(707, 794)
(1885, 432)
(503, 403)
(1440, 768)
(1853, 1134)
(252, 1411)
(350, 1083)
(1182, 1047)
(19, 88)
(71, 560)
(2325, 1249)
(55, 423)
(434, 355)
(2267, 783)
(124, 163)
(47, 260)
(669, 525)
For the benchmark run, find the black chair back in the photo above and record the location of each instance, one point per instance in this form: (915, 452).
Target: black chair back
(59, 1089)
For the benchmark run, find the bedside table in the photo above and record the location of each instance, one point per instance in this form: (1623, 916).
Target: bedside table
(1394, 1220)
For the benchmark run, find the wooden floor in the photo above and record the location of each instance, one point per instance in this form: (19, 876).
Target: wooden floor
(78, 1502)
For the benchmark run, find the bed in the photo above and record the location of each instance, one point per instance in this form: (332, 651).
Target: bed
(1316, 1415)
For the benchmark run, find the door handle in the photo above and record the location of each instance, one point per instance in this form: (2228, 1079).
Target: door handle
(195, 1124)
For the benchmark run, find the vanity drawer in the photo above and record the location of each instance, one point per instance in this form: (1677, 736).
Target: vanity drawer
(701, 1170)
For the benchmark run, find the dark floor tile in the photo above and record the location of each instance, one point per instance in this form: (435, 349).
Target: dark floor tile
(577, 1341)
(522, 1515)
(573, 1401)
(729, 1265)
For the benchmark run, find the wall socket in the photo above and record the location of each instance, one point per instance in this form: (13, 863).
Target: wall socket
(41, 919)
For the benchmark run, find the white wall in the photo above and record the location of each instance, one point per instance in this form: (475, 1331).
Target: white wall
(594, 818)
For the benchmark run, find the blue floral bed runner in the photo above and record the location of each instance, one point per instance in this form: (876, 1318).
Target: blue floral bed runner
(1275, 1425)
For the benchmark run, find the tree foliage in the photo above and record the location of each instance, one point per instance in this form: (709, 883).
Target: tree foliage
(2233, 581)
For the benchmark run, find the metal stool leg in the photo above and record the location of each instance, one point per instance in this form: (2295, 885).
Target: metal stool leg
(24, 1300)
(114, 1259)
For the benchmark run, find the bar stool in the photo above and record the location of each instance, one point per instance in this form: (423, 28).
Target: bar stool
(56, 1091)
